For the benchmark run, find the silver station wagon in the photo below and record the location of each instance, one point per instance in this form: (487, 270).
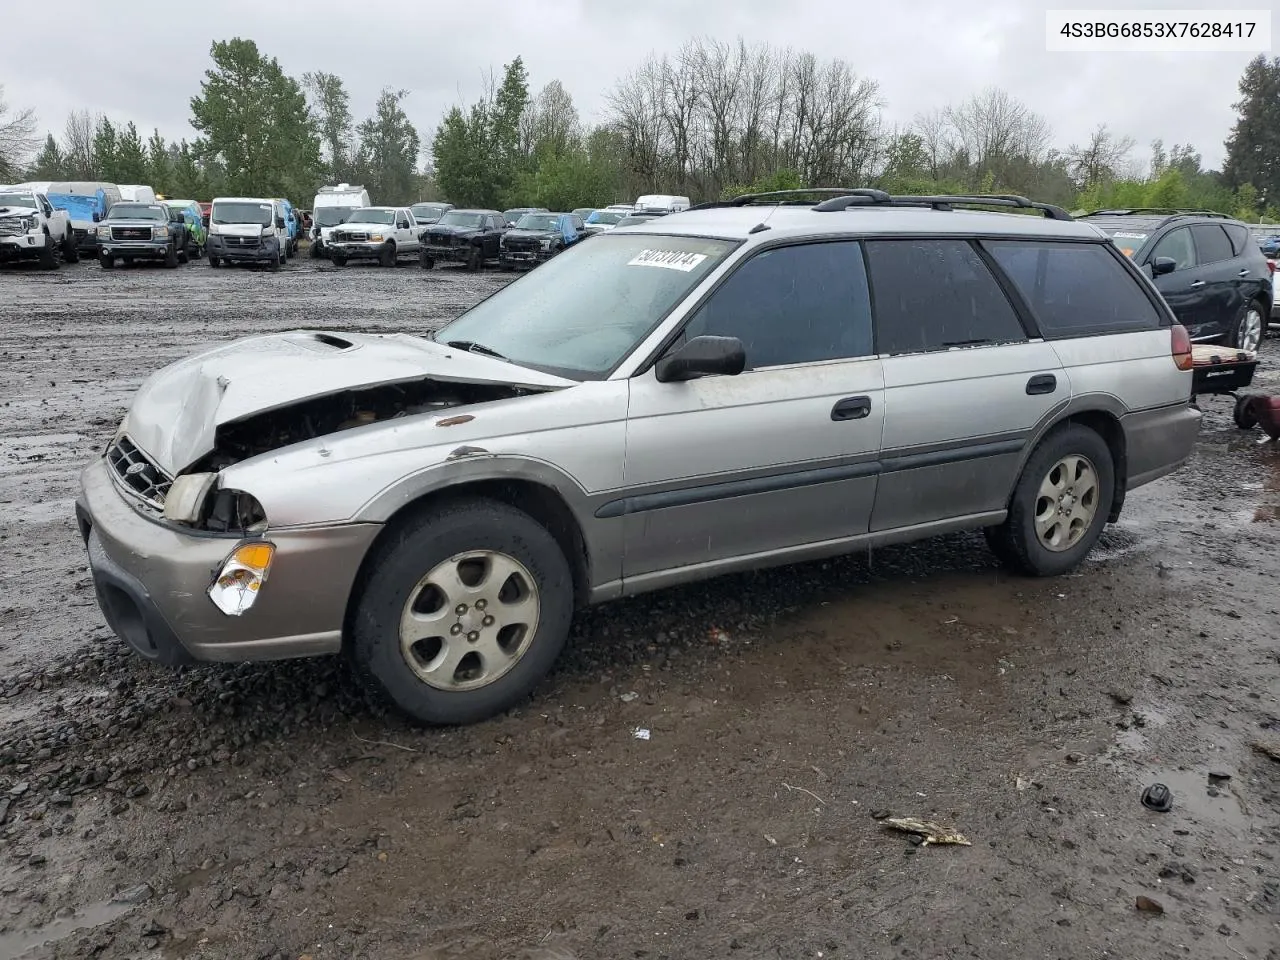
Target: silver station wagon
(740, 385)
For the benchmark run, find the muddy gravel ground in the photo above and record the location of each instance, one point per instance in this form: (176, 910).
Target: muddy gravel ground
(272, 811)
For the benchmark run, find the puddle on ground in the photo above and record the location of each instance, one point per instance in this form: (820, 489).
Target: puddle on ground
(19, 943)
(1192, 801)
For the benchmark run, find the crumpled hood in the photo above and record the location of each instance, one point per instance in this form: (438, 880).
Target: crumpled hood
(523, 234)
(18, 211)
(452, 229)
(178, 409)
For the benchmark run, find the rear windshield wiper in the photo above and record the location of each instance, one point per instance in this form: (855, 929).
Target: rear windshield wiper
(472, 347)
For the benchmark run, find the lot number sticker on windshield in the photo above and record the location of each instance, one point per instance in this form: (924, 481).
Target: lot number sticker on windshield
(1130, 236)
(671, 259)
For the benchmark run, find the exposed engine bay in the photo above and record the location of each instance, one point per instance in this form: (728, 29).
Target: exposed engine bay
(326, 415)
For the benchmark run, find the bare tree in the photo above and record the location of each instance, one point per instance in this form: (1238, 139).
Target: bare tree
(550, 124)
(17, 138)
(935, 137)
(1099, 159)
(997, 132)
(77, 145)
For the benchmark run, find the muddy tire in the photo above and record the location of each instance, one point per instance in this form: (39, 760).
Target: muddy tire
(214, 262)
(48, 255)
(274, 263)
(387, 256)
(1059, 506)
(171, 257)
(70, 252)
(474, 260)
(462, 610)
(184, 256)
(1250, 327)
(106, 261)
(1244, 415)
(338, 260)
(425, 260)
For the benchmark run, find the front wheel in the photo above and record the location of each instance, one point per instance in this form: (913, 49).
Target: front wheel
(184, 255)
(214, 262)
(171, 256)
(387, 256)
(315, 249)
(463, 610)
(48, 256)
(1246, 332)
(70, 252)
(338, 260)
(274, 262)
(426, 261)
(1059, 506)
(474, 259)
(106, 261)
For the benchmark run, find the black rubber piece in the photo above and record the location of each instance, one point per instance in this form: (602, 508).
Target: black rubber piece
(1158, 797)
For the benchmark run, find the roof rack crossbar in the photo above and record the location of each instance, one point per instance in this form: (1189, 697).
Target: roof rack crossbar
(788, 196)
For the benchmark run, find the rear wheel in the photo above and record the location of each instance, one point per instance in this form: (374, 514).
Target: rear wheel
(1247, 331)
(463, 611)
(1060, 505)
(387, 256)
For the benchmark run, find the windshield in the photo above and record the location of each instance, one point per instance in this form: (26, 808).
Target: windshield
(455, 218)
(605, 216)
(331, 216)
(427, 211)
(372, 215)
(137, 211)
(18, 200)
(538, 221)
(582, 312)
(241, 211)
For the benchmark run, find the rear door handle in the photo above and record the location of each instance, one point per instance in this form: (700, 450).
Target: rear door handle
(851, 408)
(1042, 383)
(1197, 285)
(1243, 273)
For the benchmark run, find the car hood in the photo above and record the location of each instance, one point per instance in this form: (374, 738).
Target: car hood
(451, 228)
(177, 411)
(238, 229)
(18, 211)
(519, 233)
(365, 227)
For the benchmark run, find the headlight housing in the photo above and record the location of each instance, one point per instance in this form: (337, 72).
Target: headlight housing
(160, 231)
(241, 578)
(184, 503)
(376, 237)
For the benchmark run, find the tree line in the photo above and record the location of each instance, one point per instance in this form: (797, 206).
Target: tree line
(711, 120)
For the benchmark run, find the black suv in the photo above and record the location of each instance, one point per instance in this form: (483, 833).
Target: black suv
(1206, 265)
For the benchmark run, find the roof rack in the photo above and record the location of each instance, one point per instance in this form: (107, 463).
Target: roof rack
(842, 198)
(1164, 211)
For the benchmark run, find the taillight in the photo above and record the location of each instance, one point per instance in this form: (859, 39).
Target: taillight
(1180, 346)
(1271, 265)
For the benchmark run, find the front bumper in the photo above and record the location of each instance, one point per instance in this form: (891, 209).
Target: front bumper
(86, 239)
(243, 249)
(524, 258)
(450, 254)
(151, 580)
(23, 246)
(355, 249)
(133, 249)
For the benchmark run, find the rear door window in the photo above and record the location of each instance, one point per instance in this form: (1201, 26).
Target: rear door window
(1177, 245)
(935, 295)
(1075, 289)
(1212, 245)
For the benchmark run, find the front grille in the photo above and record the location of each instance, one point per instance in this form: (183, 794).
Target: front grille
(130, 233)
(349, 236)
(80, 232)
(136, 471)
(441, 239)
(240, 241)
(522, 245)
(11, 227)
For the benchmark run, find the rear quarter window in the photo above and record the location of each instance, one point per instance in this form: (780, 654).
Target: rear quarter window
(1075, 289)
(1239, 235)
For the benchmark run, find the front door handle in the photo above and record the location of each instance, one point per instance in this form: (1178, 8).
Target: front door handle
(1243, 273)
(1197, 285)
(1042, 383)
(851, 408)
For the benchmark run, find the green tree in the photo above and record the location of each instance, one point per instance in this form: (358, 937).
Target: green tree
(188, 181)
(254, 124)
(106, 151)
(131, 156)
(387, 160)
(159, 165)
(509, 106)
(460, 153)
(49, 163)
(1253, 148)
(331, 106)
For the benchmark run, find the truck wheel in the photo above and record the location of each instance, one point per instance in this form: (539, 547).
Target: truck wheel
(171, 256)
(184, 256)
(387, 256)
(338, 260)
(462, 611)
(70, 252)
(474, 259)
(107, 261)
(48, 254)
(425, 260)
(274, 262)
(214, 262)
(1060, 505)
(315, 249)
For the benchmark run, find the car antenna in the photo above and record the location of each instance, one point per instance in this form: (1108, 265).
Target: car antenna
(763, 225)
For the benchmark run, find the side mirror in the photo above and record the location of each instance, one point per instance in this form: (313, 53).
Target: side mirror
(703, 356)
(97, 217)
(1162, 265)
(279, 221)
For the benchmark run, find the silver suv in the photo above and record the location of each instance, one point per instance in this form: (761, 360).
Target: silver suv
(736, 386)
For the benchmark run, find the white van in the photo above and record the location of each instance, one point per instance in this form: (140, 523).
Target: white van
(247, 230)
(660, 203)
(332, 206)
(137, 193)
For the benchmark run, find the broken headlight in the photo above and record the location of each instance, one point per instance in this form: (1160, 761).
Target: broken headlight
(194, 501)
(184, 503)
(241, 577)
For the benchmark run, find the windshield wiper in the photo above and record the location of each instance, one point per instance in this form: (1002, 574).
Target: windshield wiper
(472, 347)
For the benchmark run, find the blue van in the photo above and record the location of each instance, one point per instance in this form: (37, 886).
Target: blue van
(291, 224)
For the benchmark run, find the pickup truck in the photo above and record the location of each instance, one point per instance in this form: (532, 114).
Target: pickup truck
(31, 229)
(464, 236)
(375, 233)
(142, 231)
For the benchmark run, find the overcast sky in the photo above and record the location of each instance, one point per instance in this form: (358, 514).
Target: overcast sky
(144, 59)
